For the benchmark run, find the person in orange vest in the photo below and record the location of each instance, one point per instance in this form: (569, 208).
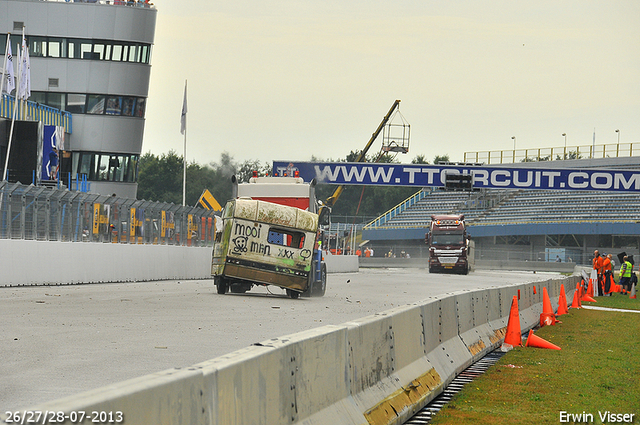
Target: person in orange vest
(367, 252)
(608, 275)
(597, 266)
(358, 252)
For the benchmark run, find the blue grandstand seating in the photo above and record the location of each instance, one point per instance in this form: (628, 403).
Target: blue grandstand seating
(518, 206)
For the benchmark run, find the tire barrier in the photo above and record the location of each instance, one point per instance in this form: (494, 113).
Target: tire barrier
(380, 369)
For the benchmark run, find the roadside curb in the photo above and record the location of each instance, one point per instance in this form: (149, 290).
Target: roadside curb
(619, 310)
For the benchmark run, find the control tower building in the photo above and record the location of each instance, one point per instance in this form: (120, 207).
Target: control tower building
(92, 59)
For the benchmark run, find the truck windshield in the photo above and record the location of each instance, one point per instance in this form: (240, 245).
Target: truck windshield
(447, 239)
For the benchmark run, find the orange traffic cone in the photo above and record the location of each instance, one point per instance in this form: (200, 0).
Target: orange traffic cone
(547, 317)
(562, 302)
(537, 342)
(534, 290)
(514, 334)
(576, 300)
(632, 295)
(588, 298)
(590, 288)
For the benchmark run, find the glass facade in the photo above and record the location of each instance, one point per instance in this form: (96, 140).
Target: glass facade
(77, 48)
(102, 166)
(93, 104)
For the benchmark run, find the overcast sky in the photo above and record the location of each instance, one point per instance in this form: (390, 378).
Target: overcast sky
(288, 79)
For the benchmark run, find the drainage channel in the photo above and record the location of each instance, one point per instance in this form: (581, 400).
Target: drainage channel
(425, 415)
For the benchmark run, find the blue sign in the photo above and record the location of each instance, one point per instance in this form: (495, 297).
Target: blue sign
(484, 177)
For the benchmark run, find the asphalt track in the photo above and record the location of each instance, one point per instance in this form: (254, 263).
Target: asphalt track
(58, 341)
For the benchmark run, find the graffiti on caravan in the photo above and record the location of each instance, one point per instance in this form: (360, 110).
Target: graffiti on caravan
(345, 173)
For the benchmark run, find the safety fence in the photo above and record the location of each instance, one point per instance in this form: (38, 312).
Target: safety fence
(49, 214)
(554, 153)
(379, 369)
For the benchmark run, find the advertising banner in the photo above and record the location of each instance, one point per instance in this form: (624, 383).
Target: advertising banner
(483, 177)
(53, 142)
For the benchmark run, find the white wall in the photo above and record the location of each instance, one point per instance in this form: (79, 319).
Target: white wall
(24, 262)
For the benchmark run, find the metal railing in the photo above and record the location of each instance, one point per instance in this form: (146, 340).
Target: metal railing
(398, 209)
(137, 3)
(511, 156)
(49, 214)
(33, 111)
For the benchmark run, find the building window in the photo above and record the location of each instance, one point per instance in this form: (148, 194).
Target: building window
(56, 100)
(127, 106)
(95, 105)
(113, 167)
(77, 48)
(140, 103)
(54, 49)
(114, 105)
(76, 103)
(98, 51)
(37, 46)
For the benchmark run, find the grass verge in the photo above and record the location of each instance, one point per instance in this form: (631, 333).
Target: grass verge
(597, 370)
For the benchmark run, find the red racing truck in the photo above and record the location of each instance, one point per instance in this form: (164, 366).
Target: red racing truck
(450, 246)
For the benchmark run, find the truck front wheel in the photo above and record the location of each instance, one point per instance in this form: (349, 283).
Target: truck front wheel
(320, 287)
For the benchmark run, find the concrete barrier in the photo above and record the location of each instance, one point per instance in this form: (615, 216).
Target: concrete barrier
(422, 263)
(61, 263)
(379, 369)
(56, 263)
(341, 263)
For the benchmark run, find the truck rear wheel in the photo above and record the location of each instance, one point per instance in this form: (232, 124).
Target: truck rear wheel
(221, 285)
(320, 287)
(293, 294)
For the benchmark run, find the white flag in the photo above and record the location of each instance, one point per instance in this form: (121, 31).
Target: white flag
(9, 78)
(183, 117)
(24, 91)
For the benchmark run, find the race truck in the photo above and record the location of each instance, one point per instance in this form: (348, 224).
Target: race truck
(450, 247)
(268, 235)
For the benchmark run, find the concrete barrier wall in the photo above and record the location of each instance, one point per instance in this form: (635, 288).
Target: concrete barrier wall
(73, 262)
(379, 369)
(381, 262)
(61, 263)
(341, 263)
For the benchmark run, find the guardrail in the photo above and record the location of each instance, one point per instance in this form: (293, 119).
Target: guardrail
(378, 370)
(48, 214)
(554, 154)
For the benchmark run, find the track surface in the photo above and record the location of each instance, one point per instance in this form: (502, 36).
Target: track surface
(57, 341)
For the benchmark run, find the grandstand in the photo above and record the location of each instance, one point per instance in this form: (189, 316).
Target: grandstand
(519, 224)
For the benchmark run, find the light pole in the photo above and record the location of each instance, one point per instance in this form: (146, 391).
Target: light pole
(618, 146)
(565, 145)
(514, 148)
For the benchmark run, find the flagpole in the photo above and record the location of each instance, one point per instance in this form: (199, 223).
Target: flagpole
(184, 168)
(5, 170)
(183, 130)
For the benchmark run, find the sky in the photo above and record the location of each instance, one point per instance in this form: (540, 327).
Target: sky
(292, 79)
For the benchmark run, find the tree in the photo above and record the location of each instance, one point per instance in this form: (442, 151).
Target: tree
(246, 169)
(160, 178)
(420, 159)
(441, 158)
